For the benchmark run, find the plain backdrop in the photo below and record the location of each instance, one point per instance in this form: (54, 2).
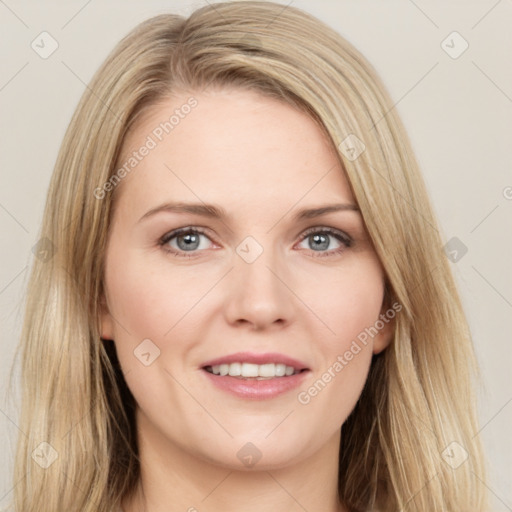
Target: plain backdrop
(457, 110)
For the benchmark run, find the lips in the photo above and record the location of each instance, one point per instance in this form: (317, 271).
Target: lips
(254, 358)
(253, 388)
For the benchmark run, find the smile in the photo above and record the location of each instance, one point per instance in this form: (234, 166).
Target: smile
(255, 387)
(250, 370)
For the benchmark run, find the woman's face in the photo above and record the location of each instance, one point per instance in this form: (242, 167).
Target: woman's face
(262, 281)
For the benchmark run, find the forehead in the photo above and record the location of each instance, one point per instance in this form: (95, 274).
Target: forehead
(232, 146)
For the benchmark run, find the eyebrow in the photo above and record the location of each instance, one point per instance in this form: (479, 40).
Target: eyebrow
(217, 212)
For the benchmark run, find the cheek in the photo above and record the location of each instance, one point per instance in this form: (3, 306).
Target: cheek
(147, 299)
(150, 304)
(348, 301)
(349, 304)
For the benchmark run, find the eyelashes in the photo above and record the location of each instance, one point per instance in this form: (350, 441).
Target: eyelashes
(318, 235)
(164, 241)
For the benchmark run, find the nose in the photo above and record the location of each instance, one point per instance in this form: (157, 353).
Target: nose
(259, 294)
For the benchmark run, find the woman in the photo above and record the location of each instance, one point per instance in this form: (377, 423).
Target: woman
(249, 304)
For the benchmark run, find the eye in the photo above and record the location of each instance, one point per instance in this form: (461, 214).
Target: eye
(184, 240)
(189, 240)
(319, 239)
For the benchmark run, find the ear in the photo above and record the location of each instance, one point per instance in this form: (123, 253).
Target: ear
(386, 326)
(106, 320)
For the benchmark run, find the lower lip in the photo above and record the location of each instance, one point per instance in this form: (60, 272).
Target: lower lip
(253, 389)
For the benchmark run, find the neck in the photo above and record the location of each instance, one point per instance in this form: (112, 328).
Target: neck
(193, 484)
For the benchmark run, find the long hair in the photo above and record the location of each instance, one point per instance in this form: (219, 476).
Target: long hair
(416, 414)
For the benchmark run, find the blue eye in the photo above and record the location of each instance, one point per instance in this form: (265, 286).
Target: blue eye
(319, 239)
(188, 240)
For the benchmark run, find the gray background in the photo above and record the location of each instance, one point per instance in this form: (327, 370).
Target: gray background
(458, 112)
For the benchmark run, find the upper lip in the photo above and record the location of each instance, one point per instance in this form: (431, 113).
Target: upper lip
(254, 358)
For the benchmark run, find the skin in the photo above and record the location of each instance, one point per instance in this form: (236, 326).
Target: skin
(261, 160)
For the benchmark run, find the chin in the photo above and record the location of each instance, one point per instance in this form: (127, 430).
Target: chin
(260, 454)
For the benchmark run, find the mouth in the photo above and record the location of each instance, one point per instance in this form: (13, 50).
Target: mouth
(252, 371)
(253, 376)
(251, 381)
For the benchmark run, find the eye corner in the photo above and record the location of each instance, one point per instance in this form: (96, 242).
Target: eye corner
(344, 238)
(164, 240)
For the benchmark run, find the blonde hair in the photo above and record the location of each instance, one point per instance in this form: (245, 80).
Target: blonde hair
(418, 398)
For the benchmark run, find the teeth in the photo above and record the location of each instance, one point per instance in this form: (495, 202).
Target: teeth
(247, 370)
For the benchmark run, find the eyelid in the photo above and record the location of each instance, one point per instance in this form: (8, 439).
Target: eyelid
(186, 229)
(337, 233)
(332, 231)
(178, 231)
